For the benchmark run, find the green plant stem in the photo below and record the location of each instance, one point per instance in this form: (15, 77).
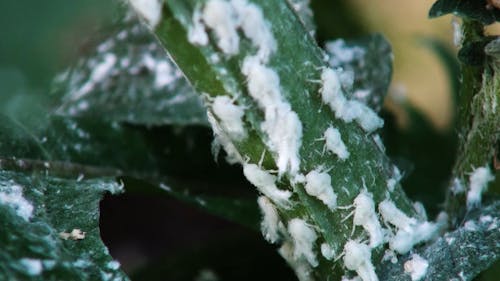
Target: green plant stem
(478, 121)
(297, 62)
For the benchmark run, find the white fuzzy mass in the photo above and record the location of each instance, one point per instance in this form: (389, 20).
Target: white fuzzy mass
(266, 183)
(416, 267)
(219, 16)
(319, 185)
(150, 10)
(304, 238)
(478, 183)
(364, 215)
(230, 116)
(358, 258)
(335, 144)
(12, 196)
(270, 219)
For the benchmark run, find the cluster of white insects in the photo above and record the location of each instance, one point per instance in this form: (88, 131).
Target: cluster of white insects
(383, 224)
(282, 126)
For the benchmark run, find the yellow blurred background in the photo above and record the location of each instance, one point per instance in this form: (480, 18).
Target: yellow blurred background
(417, 70)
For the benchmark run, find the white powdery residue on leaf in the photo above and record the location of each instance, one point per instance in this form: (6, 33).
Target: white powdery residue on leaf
(233, 156)
(266, 183)
(470, 226)
(319, 185)
(255, 28)
(230, 116)
(304, 237)
(341, 53)
(416, 267)
(478, 183)
(12, 196)
(281, 124)
(150, 10)
(301, 267)
(99, 73)
(196, 32)
(327, 251)
(32, 267)
(358, 258)
(220, 16)
(334, 143)
(347, 110)
(165, 74)
(365, 215)
(270, 220)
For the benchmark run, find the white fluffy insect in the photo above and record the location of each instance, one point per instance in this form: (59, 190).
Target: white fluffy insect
(365, 215)
(230, 116)
(334, 143)
(410, 231)
(270, 220)
(404, 240)
(331, 91)
(150, 10)
(266, 183)
(303, 237)
(220, 16)
(393, 215)
(233, 156)
(197, 34)
(282, 125)
(327, 251)
(347, 110)
(301, 267)
(285, 138)
(319, 185)
(263, 83)
(358, 258)
(255, 28)
(416, 267)
(478, 183)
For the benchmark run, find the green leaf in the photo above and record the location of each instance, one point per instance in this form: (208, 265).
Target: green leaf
(470, 9)
(85, 147)
(461, 254)
(369, 59)
(38, 212)
(129, 78)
